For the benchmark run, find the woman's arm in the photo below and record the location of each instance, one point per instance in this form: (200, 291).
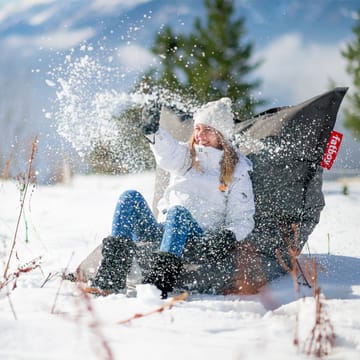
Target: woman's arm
(240, 207)
(170, 155)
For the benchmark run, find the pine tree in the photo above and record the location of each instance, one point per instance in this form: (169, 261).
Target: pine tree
(352, 54)
(211, 61)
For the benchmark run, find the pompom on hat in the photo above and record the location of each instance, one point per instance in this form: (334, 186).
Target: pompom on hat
(217, 114)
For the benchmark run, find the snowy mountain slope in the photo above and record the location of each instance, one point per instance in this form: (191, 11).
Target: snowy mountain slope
(66, 221)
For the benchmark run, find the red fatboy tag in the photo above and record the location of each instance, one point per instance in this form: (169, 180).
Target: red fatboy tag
(332, 149)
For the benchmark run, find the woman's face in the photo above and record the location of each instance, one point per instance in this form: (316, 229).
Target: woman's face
(206, 135)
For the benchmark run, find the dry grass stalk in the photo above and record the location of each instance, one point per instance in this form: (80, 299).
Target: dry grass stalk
(5, 173)
(249, 276)
(60, 285)
(94, 324)
(28, 179)
(293, 273)
(168, 305)
(294, 252)
(32, 265)
(11, 305)
(96, 291)
(321, 339)
(49, 277)
(56, 296)
(26, 268)
(85, 300)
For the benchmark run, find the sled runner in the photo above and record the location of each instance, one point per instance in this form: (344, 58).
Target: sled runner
(286, 146)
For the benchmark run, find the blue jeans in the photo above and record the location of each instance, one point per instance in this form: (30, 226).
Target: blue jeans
(134, 220)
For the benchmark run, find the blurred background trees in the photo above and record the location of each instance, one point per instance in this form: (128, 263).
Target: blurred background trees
(352, 55)
(211, 61)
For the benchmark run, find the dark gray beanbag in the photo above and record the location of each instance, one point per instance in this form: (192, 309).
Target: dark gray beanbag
(287, 176)
(286, 146)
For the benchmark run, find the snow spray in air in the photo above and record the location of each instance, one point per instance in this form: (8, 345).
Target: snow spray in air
(90, 99)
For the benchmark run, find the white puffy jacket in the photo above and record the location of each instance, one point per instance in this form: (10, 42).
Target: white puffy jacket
(199, 191)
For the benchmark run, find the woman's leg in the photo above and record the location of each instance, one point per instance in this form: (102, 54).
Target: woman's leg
(166, 265)
(179, 227)
(134, 220)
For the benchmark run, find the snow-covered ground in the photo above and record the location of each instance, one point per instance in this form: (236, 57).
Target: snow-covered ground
(53, 321)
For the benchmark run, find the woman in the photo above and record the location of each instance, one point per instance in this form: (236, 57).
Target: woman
(208, 206)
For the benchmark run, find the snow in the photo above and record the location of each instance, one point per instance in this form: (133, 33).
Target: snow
(55, 321)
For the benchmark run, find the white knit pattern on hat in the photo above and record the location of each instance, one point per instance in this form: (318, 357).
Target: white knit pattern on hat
(217, 114)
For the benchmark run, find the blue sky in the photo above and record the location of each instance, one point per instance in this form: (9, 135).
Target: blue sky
(299, 41)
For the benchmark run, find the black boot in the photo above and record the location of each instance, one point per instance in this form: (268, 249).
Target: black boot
(118, 253)
(164, 271)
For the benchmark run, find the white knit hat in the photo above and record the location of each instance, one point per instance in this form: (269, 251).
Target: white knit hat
(217, 114)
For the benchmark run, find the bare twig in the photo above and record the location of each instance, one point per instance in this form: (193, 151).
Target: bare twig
(94, 325)
(322, 336)
(11, 305)
(30, 266)
(168, 305)
(296, 252)
(6, 169)
(49, 277)
(293, 252)
(34, 264)
(60, 285)
(302, 273)
(84, 305)
(249, 276)
(22, 202)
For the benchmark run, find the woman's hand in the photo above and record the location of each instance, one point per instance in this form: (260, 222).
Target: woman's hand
(150, 118)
